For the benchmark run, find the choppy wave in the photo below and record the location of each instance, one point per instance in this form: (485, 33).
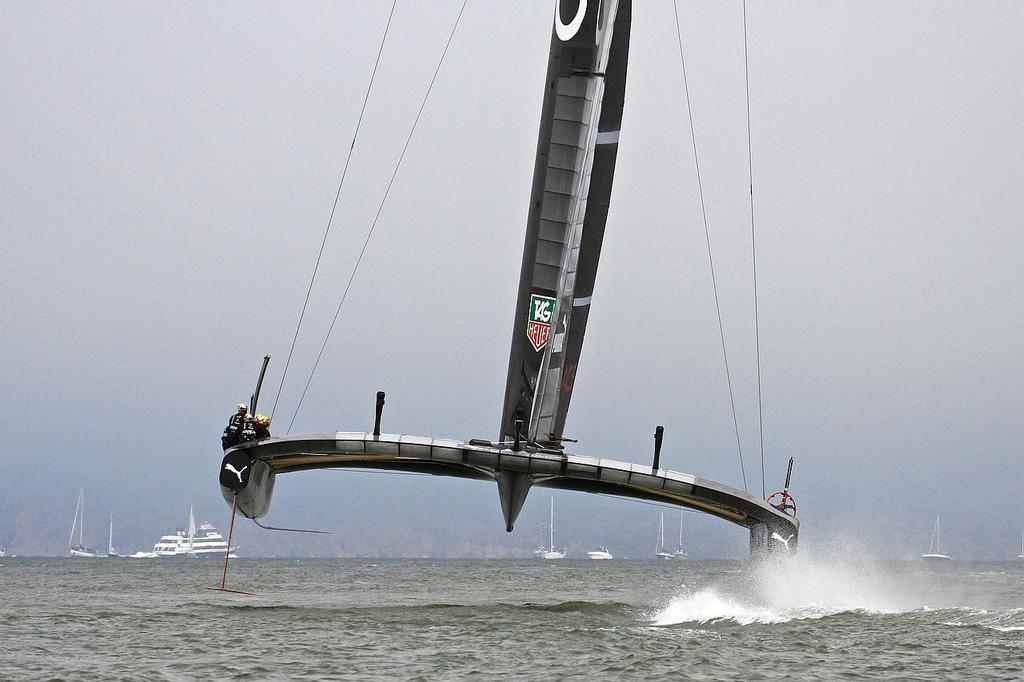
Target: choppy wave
(709, 606)
(807, 588)
(1011, 620)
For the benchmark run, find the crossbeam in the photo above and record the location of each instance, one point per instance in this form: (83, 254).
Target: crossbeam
(515, 471)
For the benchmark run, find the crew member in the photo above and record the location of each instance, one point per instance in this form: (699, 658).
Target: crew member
(262, 426)
(233, 431)
(248, 429)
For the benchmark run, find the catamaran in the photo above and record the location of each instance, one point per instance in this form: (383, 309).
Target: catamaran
(584, 90)
(550, 552)
(934, 550)
(80, 549)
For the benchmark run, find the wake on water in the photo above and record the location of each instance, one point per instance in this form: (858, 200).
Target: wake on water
(807, 587)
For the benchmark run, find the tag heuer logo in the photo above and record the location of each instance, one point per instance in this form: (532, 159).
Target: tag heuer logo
(538, 329)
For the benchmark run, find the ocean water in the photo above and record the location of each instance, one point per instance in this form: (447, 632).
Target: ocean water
(804, 618)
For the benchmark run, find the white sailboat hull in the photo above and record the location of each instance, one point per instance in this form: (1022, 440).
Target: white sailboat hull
(83, 552)
(936, 557)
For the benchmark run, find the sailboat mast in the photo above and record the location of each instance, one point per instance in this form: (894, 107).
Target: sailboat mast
(110, 535)
(191, 527)
(680, 530)
(938, 535)
(81, 521)
(551, 527)
(74, 522)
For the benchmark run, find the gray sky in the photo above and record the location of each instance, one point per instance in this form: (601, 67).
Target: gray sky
(167, 171)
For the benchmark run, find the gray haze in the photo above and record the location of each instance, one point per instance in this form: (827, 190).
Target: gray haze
(167, 171)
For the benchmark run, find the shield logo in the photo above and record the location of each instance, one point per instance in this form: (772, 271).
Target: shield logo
(538, 328)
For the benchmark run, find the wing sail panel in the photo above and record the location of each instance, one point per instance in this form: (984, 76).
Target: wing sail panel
(575, 164)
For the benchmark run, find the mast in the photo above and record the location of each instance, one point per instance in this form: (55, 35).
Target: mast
(81, 521)
(78, 508)
(661, 534)
(191, 527)
(938, 535)
(110, 536)
(551, 527)
(680, 530)
(573, 172)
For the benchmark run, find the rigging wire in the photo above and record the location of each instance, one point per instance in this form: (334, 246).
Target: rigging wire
(707, 236)
(753, 253)
(376, 217)
(334, 208)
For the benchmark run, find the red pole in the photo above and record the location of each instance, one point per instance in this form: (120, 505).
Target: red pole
(231, 530)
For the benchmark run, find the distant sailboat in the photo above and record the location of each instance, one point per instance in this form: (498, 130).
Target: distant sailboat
(934, 550)
(1021, 555)
(660, 552)
(550, 552)
(80, 550)
(111, 552)
(680, 552)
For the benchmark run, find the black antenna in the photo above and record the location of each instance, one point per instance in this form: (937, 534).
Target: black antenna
(789, 474)
(659, 434)
(380, 410)
(259, 385)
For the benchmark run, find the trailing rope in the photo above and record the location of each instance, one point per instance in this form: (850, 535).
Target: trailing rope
(707, 236)
(334, 208)
(753, 252)
(376, 217)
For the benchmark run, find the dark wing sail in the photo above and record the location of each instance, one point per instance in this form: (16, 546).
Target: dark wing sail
(572, 181)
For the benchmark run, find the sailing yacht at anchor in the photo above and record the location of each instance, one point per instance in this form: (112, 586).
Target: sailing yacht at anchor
(550, 552)
(577, 146)
(680, 553)
(111, 552)
(934, 550)
(660, 552)
(80, 549)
